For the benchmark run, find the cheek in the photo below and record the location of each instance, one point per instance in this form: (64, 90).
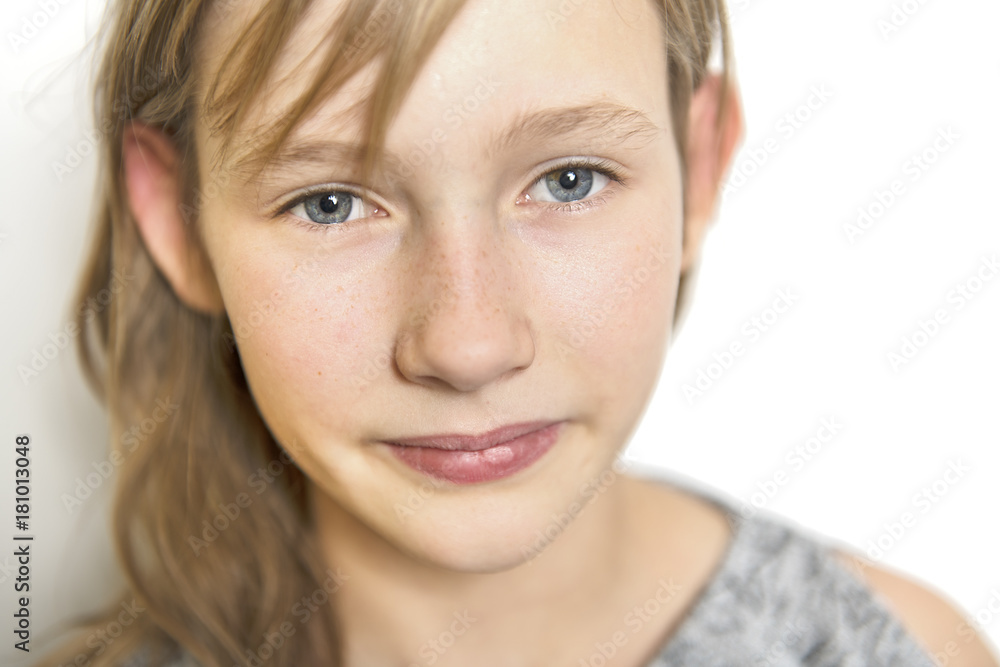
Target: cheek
(614, 318)
(309, 343)
(627, 300)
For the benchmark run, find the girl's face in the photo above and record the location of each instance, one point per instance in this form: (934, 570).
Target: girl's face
(516, 260)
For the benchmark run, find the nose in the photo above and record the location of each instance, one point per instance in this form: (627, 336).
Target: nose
(465, 324)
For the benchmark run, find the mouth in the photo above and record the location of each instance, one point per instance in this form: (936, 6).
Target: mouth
(468, 459)
(473, 443)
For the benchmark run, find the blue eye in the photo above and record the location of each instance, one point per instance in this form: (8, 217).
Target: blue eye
(329, 208)
(569, 184)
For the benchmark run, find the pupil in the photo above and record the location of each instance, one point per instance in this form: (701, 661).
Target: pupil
(568, 179)
(329, 204)
(570, 184)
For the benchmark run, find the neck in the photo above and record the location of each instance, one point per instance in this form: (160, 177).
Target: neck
(395, 609)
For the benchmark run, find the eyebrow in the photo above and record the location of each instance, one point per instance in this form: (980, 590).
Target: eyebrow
(616, 124)
(611, 123)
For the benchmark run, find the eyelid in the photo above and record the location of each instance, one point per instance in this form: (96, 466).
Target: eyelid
(616, 175)
(612, 170)
(286, 204)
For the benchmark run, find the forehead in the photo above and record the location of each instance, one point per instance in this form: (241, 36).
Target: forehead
(497, 60)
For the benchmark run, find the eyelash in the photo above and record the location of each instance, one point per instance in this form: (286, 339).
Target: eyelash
(308, 225)
(601, 166)
(605, 167)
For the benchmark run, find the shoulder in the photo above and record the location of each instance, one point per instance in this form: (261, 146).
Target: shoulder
(926, 615)
(779, 596)
(782, 589)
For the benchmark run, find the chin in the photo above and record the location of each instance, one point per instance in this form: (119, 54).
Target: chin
(484, 554)
(477, 539)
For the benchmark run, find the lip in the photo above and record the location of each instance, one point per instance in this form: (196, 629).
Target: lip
(468, 459)
(473, 443)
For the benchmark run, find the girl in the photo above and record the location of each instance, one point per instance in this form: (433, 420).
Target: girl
(360, 242)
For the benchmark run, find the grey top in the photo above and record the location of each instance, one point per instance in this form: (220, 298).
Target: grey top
(778, 598)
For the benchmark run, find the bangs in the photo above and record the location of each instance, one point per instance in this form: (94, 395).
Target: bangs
(397, 34)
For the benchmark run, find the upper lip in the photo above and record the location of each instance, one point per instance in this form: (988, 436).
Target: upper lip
(473, 443)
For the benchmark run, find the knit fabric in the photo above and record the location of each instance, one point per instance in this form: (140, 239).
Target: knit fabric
(780, 598)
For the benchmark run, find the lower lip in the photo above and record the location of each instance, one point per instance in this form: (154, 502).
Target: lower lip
(497, 462)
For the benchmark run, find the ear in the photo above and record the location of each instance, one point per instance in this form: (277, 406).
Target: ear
(153, 181)
(710, 149)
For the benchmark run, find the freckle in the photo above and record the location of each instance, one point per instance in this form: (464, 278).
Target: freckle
(319, 372)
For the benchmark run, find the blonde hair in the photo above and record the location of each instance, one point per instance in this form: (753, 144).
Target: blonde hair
(223, 601)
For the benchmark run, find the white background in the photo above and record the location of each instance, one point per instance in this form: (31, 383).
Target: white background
(783, 228)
